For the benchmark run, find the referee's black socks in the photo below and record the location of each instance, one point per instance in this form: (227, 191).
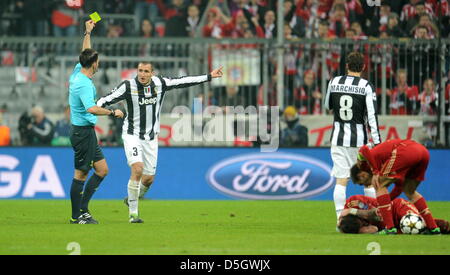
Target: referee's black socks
(76, 193)
(91, 186)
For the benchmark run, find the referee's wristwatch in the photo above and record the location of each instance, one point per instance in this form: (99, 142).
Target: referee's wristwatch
(113, 113)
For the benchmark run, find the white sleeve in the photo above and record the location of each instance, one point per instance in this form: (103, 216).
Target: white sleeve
(116, 95)
(372, 119)
(327, 96)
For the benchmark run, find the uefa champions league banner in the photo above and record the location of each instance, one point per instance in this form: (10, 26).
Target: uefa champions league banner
(199, 174)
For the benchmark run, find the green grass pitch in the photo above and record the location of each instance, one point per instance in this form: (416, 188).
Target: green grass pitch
(199, 227)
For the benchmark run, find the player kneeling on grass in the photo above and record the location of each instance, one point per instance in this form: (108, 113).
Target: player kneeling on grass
(361, 216)
(402, 162)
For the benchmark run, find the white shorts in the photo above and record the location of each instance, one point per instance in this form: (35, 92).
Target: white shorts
(343, 159)
(138, 150)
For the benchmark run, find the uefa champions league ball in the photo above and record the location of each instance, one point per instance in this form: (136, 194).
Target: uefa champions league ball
(412, 224)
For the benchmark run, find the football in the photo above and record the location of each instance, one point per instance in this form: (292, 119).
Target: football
(412, 224)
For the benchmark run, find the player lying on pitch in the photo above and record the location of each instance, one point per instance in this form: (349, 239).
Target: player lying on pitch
(361, 215)
(402, 162)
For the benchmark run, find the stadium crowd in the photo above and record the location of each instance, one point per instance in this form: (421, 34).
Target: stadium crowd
(233, 18)
(412, 87)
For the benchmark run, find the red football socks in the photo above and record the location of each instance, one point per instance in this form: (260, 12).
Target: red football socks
(384, 206)
(421, 205)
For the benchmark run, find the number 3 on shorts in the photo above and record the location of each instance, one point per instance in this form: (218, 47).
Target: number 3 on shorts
(346, 112)
(135, 151)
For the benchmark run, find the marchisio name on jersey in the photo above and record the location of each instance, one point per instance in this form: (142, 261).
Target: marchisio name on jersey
(347, 89)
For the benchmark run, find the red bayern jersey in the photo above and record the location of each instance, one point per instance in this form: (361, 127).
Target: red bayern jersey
(400, 207)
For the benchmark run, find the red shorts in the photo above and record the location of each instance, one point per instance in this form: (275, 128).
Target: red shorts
(409, 160)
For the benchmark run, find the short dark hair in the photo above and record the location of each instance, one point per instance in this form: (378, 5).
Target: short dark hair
(355, 62)
(354, 171)
(88, 57)
(350, 224)
(145, 63)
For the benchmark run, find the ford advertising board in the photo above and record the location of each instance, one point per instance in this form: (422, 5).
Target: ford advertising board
(270, 176)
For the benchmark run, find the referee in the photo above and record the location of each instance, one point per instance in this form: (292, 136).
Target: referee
(353, 102)
(83, 115)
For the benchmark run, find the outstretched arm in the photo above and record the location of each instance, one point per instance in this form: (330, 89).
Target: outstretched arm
(87, 35)
(187, 81)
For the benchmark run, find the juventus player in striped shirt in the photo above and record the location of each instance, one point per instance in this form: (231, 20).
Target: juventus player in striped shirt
(144, 96)
(352, 100)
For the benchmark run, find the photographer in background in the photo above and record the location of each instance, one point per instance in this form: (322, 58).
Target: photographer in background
(39, 130)
(295, 134)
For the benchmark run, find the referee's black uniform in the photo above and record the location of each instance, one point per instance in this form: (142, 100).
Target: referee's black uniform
(353, 102)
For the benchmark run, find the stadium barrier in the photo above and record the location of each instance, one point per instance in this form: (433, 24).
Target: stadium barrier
(37, 69)
(199, 174)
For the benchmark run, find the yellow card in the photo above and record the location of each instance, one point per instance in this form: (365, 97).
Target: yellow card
(95, 17)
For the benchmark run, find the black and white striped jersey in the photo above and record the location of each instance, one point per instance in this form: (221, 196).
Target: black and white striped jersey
(353, 102)
(143, 103)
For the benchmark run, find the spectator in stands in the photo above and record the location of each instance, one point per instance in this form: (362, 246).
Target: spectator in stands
(270, 28)
(339, 21)
(65, 17)
(392, 28)
(432, 29)
(288, 35)
(421, 32)
(176, 18)
(353, 9)
(311, 15)
(34, 17)
(359, 34)
(255, 7)
(216, 23)
(5, 133)
(114, 31)
(147, 29)
(146, 9)
(232, 98)
(379, 19)
(62, 130)
(308, 97)
(116, 6)
(294, 134)
(293, 19)
(428, 107)
(324, 31)
(192, 20)
(420, 58)
(403, 99)
(41, 129)
(415, 7)
(428, 98)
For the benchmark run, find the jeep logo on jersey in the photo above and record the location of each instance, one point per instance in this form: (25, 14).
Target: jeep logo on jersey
(146, 101)
(147, 91)
(271, 176)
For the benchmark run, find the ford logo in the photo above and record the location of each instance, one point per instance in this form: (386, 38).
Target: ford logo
(270, 176)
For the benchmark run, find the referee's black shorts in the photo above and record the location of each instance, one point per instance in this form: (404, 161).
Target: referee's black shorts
(86, 148)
